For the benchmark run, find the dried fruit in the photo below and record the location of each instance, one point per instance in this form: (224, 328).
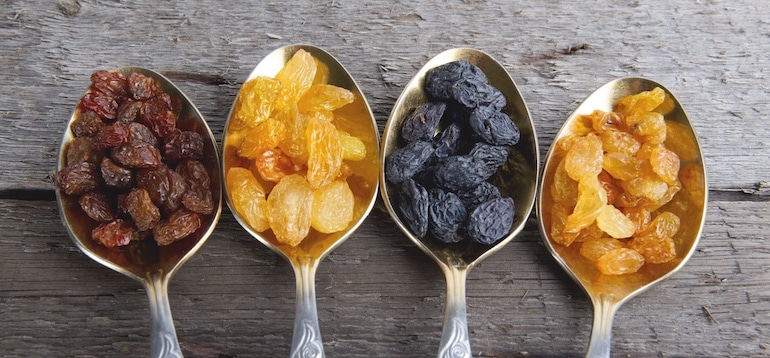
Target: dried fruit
(336, 195)
(142, 210)
(97, 206)
(620, 261)
(289, 207)
(182, 145)
(591, 200)
(115, 233)
(439, 80)
(78, 179)
(493, 126)
(422, 123)
(413, 202)
(255, 101)
(446, 214)
(407, 161)
(324, 97)
(248, 198)
(491, 221)
(267, 135)
(180, 224)
(474, 93)
(593, 249)
(324, 152)
(615, 223)
(136, 154)
(295, 77)
(584, 159)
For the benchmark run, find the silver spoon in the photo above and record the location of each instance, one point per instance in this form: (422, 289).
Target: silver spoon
(305, 257)
(151, 265)
(608, 293)
(519, 182)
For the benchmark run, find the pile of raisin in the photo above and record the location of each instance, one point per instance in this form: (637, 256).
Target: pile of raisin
(613, 178)
(443, 176)
(287, 154)
(134, 172)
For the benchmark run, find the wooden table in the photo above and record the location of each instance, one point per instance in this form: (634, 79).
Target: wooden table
(378, 295)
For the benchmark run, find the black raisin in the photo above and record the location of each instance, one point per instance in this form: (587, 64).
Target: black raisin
(450, 141)
(473, 93)
(491, 221)
(413, 206)
(407, 161)
(494, 127)
(446, 215)
(493, 156)
(439, 80)
(460, 173)
(422, 123)
(481, 193)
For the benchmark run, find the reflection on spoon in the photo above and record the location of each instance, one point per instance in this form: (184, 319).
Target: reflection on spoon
(354, 118)
(150, 264)
(517, 179)
(609, 292)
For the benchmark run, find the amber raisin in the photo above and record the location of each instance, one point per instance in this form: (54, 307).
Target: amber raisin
(79, 178)
(324, 152)
(296, 77)
(248, 198)
(142, 210)
(620, 261)
(115, 233)
(179, 225)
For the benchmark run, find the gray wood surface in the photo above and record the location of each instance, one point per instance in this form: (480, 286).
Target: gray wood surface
(378, 295)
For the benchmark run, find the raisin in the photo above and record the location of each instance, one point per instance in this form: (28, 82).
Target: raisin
(114, 175)
(143, 87)
(105, 105)
(97, 206)
(180, 224)
(656, 250)
(336, 195)
(474, 93)
(112, 83)
(156, 114)
(267, 135)
(407, 161)
(491, 221)
(164, 185)
(255, 101)
(584, 158)
(194, 172)
(295, 77)
(183, 145)
(128, 111)
(115, 233)
(138, 132)
(591, 200)
(461, 173)
(439, 80)
(479, 194)
(492, 156)
(248, 198)
(615, 223)
(593, 249)
(493, 126)
(79, 178)
(290, 207)
(136, 154)
(450, 141)
(422, 123)
(620, 261)
(446, 214)
(82, 149)
(324, 97)
(324, 152)
(413, 205)
(112, 136)
(353, 148)
(273, 165)
(87, 124)
(142, 210)
(198, 197)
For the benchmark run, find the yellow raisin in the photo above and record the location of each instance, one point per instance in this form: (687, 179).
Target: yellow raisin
(610, 186)
(656, 250)
(559, 215)
(642, 102)
(666, 224)
(621, 142)
(290, 206)
(273, 165)
(615, 223)
(266, 135)
(295, 142)
(606, 122)
(321, 72)
(332, 207)
(620, 261)
(648, 127)
(593, 249)
(324, 152)
(681, 140)
(564, 190)
(665, 163)
(255, 101)
(693, 182)
(584, 159)
(591, 200)
(621, 166)
(296, 77)
(248, 198)
(590, 232)
(353, 148)
(640, 216)
(324, 97)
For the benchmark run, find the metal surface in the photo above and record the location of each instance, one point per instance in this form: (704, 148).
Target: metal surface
(151, 265)
(517, 179)
(608, 293)
(305, 257)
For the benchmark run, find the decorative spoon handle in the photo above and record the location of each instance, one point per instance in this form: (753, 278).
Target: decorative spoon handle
(455, 342)
(605, 307)
(163, 341)
(306, 341)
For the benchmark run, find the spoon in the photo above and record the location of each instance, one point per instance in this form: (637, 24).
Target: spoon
(456, 260)
(607, 292)
(151, 265)
(305, 257)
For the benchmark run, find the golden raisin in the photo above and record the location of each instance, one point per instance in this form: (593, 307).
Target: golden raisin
(266, 135)
(332, 207)
(615, 223)
(564, 190)
(656, 250)
(591, 200)
(324, 152)
(248, 198)
(584, 159)
(324, 97)
(255, 101)
(593, 249)
(290, 206)
(295, 77)
(621, 142)
(665, 163)
(353, 148)
(620, 261)
(642, 102)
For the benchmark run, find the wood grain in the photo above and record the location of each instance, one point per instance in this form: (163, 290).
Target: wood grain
(378, 295)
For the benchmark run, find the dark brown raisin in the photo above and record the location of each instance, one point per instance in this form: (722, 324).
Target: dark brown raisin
(97, 206)
(156, 114)
(140, 132)
(128, 111)
(179, 225)
(112, 135)
(199, 199)
(111, 83)
(106, 106)
(136, 155)
(115, 233)
(87, 124)
(114, 175)
(142, 210)
(82, 149)
(79, 178)
(194, 172)
(166, 187)
(183, 145)
(142, 87)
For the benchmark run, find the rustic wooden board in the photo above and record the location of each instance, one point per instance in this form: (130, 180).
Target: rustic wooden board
(378, 295)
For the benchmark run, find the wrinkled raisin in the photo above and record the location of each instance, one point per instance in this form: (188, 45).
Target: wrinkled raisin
(97, 206)
(407, 161)
(115, 233)
(106, 106)
(142, 210)
(112, 83)
(156, 114)
(183, 145)
(491, 221)
(450, 141)
(128, 111)
(82, 149)
(461, 173)
(473, 93)
(413, 205)
(79, 178)
(87, 124)
(136, 154)
(439, 80)
(143, 87)
(112, 136)
(164, 185)
(422, 123)
(479, 194)
(114, 175)
(141, 133)
(494, 127)
(180, 224)
(446, 215)
(493, 156)
(198, 197)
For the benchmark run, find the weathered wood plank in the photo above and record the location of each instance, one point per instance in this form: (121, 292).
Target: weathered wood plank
(378, 295)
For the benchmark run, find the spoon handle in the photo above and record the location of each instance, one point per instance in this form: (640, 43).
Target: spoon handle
(605, 307)
(306, 341)
(163, 341)
(455, 342)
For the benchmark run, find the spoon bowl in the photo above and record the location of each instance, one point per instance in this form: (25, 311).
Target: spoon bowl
(355, 118)
(516, 179)
(150, 264)
(609, 292)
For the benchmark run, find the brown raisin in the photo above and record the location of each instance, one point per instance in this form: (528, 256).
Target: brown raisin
(115, 233)
(78, 179)
(112, 136)
(183, 145)
(128, 111)
(179, 225)
(136, 155)
(156, 114)
(82, 149)
(142, 87)
(106, 106)
(87, 124)
(114, 175)
(97, 206)
(112, 83)
(141, 133)
(142, 210)
(165, 186)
